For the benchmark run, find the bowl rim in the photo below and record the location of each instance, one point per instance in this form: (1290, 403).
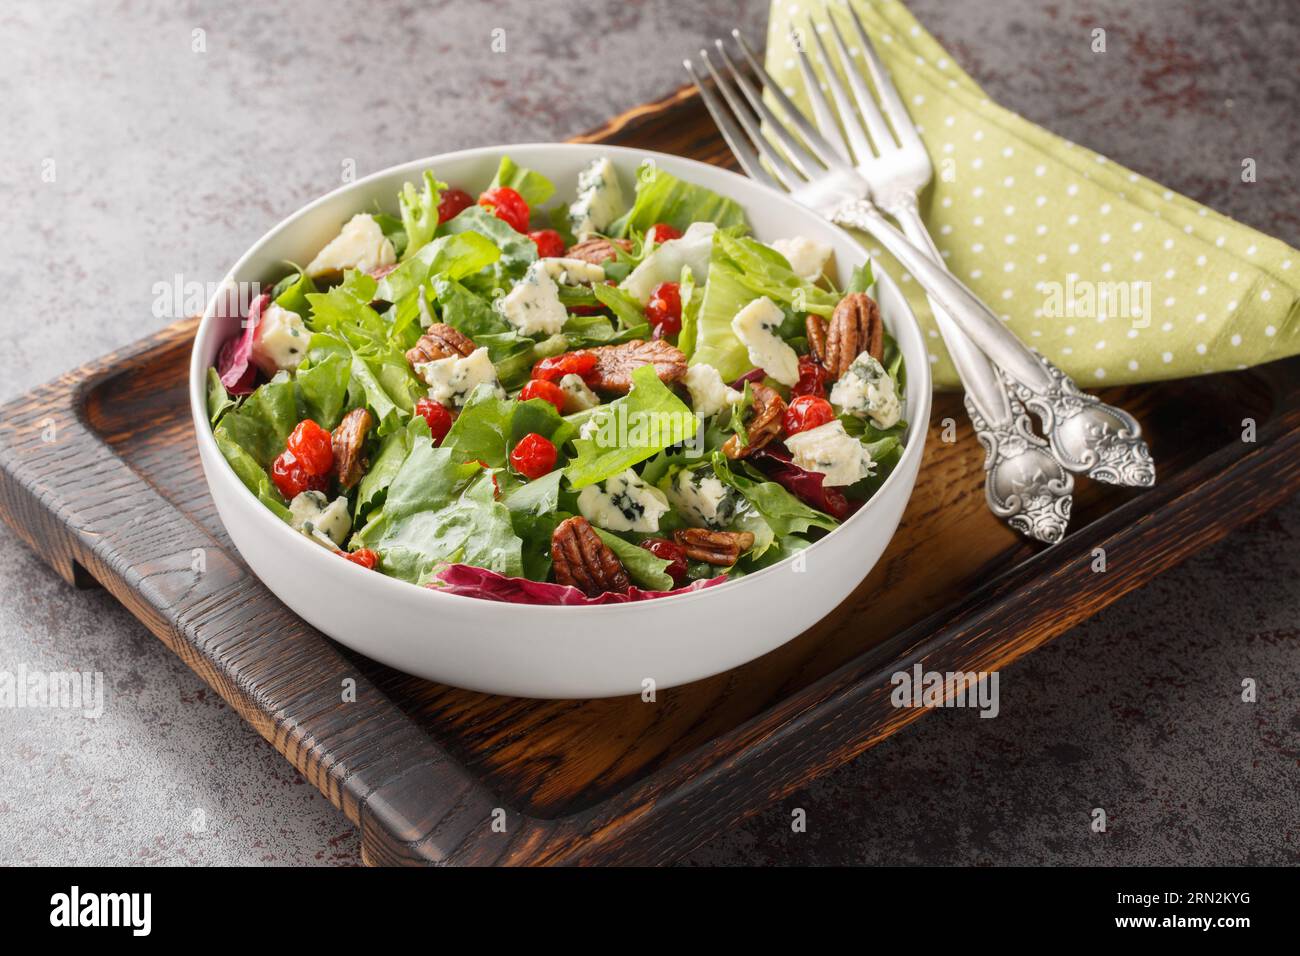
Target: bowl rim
(912, 448)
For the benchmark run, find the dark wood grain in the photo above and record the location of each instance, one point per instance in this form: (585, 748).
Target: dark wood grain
(117, 497)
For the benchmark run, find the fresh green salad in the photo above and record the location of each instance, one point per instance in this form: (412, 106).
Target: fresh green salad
(522, 399)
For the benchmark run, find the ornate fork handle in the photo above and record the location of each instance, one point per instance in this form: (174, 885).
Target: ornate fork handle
(1091, 435)
(1024, 484)
(1085, 433)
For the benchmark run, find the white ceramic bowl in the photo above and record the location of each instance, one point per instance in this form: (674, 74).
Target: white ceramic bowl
(561, 652)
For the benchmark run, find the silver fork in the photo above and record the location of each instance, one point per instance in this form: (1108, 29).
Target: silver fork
(1085, 434)
(1024, 483)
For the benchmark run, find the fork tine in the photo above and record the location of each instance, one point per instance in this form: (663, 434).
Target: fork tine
(802, 159)
(783, 170)
(862, 147)
(822, 112)
(732, 133)
(871, 114)
(817, 143)
(904, 128)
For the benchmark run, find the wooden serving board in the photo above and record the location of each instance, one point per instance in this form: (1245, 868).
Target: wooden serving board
(99, 474)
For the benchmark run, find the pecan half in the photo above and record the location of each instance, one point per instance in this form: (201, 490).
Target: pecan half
(616, 363)
(856, 327)
(597, 251)
(438, 342)
(349, 443)
(764, 423)
(581, 560)
(722, 548)
(816, 330)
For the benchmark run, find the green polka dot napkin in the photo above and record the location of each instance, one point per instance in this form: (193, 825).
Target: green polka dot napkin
(1110, 275)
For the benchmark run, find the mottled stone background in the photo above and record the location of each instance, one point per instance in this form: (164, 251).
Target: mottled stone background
(172, 162)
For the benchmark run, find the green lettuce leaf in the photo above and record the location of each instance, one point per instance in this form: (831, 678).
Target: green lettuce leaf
(420, 212)
(532, 186)
(488, 427)
(393, 449)
(635, 427)
(252, 474)
(764, 271)
(451, 256)
(219, 400)
(713, 342)
(441, 510)
(785, 513)
(645, 570)
(662, 197)
(261, 425)
(517, 251)
(347, 306)
(322, 390)
(291, 293)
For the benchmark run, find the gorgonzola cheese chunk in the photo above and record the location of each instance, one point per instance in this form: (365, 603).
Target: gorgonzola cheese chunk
(709, 394)
(756, 326)
(807, 257)
(360, 245)
(280, 341)
(867, 390)
(533, 305)
(623, 503)
(833, 452)
(325, 522)
(577, 396)
(666, 261)
(599, 199)
(702, 498)
(572, 271)
(452, 380)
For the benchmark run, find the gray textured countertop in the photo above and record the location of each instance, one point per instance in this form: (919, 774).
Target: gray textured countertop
(169, 161)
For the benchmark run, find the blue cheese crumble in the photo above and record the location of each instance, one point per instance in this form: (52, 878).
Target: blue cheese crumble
(623, 503)
(866, 390)
(831, 451)
(757, 325)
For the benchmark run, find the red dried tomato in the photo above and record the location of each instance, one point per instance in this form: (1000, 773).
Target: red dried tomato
(555, 367)
(671, 552)
(812, 378)
(293, 479)
(662, 232)
(312, 446)
(507, 205)
(533, 457)
(546, 391)
(437, 415)
(365, 557)
(550, 244)
(453, 203)
(664, 310)
(807, 412)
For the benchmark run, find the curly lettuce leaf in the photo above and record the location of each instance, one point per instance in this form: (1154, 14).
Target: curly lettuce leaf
(452, 256)
(419, 209)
